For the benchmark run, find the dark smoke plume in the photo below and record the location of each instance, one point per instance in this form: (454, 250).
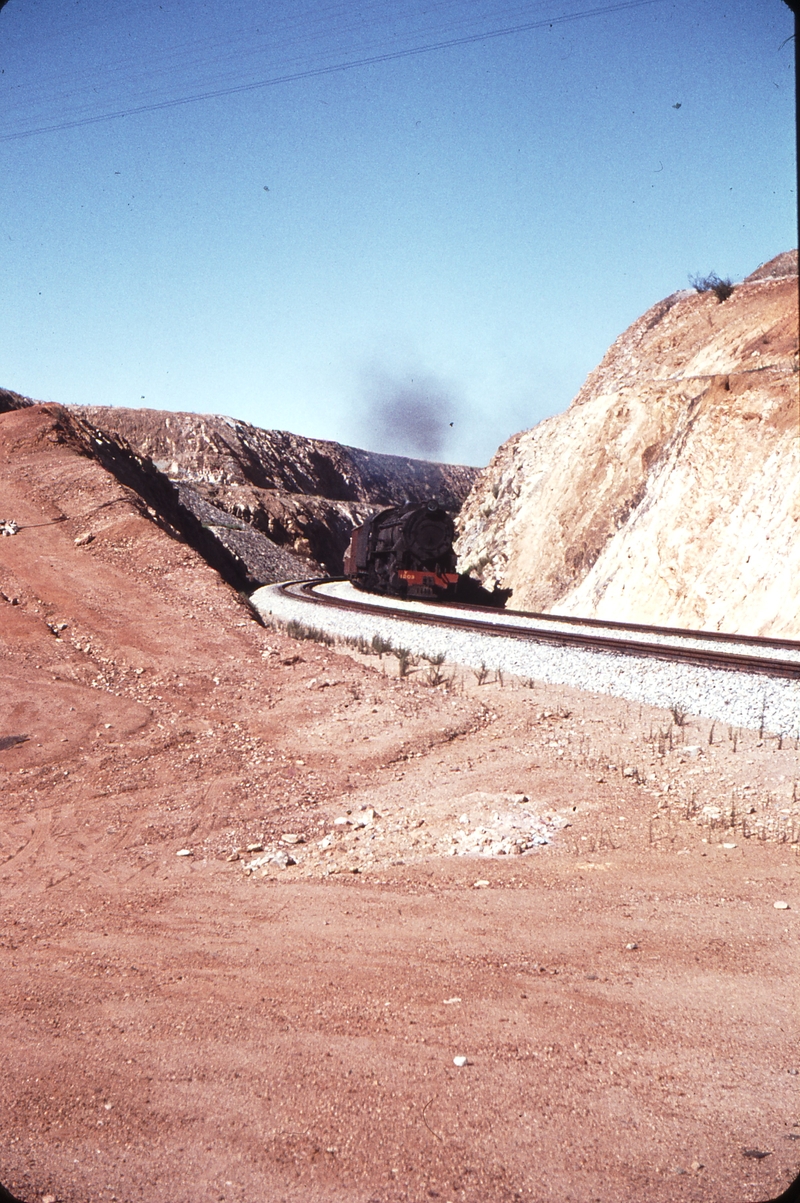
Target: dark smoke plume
(409, 415)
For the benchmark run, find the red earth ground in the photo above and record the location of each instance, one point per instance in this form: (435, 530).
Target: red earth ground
(178, 1029)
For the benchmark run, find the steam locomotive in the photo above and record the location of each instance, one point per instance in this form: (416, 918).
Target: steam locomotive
(406, 551)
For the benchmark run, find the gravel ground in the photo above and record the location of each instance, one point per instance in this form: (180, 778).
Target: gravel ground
(742, 699)
(558, 623)
(413, 1010)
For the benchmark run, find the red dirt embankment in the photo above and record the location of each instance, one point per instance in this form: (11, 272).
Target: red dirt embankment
(175, 1030)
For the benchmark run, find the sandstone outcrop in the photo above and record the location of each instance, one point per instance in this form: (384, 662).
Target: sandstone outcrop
(305, 495)
(669, 491)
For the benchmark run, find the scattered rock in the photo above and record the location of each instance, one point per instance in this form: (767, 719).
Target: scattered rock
(459, 1061)
(84, 539)
(289, 837)
(282, 860)
(481, 885)
(255, 847)
(10, 741)
(781, 906)
(363, 818)
(630, 947)
(482, 798)
(449, 1001)
(184, 852)
(510, 835)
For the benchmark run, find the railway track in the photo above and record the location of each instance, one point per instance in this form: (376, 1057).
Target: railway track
(743, 653)
(745, 680)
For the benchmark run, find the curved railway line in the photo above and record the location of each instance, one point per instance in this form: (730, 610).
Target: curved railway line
(744, 680)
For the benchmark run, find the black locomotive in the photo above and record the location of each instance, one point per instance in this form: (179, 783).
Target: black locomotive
(406, 551)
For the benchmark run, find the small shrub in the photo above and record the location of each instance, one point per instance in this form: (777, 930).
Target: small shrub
(404, 660)
(722, 289)
(380, 646)
(298, 630)
(763, 717)
(679, 715)
(481, 674)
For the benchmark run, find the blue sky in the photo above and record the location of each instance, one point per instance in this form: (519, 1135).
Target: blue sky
(373, 253)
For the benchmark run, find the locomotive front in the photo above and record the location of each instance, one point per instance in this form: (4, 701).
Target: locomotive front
(406, 551)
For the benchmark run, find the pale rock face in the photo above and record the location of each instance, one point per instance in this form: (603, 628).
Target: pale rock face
(669, 491)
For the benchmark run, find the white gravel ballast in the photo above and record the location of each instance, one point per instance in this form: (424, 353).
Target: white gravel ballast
(743, 699)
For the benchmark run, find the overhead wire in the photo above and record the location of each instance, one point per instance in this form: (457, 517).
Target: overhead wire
(304, 31)
(290, 76)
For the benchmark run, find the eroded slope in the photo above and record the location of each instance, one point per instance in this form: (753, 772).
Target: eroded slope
(304, 494)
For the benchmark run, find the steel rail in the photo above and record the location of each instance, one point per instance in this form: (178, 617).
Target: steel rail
(466, 619)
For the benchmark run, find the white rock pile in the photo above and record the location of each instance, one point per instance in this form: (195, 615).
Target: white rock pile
(510, 834)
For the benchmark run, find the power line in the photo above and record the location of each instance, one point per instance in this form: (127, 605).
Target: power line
(313, 72)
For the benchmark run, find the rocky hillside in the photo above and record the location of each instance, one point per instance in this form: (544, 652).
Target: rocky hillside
(669, 491)
(305, 495)
(10, 400)
(242, 556)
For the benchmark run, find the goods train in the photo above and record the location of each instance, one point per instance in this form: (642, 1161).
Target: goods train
(407, 551)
